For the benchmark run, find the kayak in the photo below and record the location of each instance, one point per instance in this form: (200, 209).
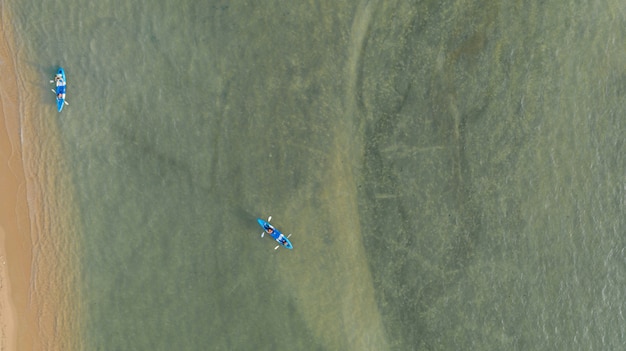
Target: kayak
(59, 79)
(275, 233)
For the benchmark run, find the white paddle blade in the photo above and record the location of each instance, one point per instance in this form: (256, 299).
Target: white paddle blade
(288, 236)
(276, 248)
(262, 234)
(269, 218)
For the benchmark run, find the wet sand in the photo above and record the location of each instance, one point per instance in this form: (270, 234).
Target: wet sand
(35, 288)
(17, 319)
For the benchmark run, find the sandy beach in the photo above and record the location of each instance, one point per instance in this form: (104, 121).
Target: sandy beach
(35, 286)
(18, 319)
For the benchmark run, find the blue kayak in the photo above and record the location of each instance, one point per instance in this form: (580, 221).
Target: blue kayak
(60, 82)
(277, 235)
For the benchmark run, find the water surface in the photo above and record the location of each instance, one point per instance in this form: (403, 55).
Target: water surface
(452, 172)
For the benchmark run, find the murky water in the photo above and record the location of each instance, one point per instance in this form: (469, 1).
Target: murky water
(452, 172)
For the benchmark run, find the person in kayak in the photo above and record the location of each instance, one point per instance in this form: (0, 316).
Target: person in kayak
(60, 83)
(269, 229)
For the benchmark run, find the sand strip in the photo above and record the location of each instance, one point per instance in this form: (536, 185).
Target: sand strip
(39, 302)
(15, 243)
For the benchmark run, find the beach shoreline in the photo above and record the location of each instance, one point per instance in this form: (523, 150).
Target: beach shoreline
(16, 318)
(37, 250)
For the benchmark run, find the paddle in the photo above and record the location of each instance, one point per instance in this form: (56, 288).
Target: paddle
(55, 92)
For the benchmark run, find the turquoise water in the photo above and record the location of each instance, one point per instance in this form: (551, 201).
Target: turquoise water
(452, 172)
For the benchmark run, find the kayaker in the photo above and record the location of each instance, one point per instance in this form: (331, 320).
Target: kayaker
(59, 82)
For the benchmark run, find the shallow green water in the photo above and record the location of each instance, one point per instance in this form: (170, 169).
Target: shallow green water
(452, 172)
